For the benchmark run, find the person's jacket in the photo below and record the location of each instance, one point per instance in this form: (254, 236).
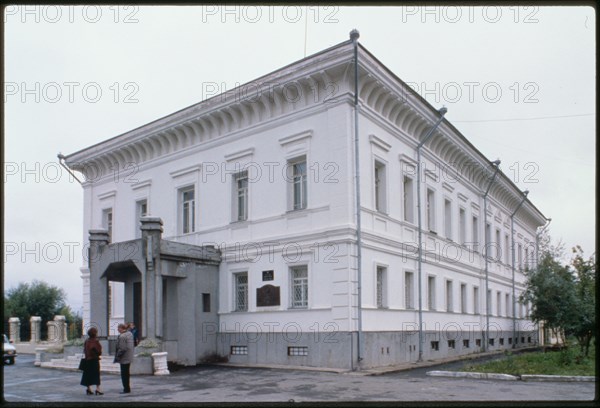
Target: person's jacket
(124, 351)
(92, 349)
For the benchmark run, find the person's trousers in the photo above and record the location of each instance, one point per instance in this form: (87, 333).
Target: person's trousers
(125, 376)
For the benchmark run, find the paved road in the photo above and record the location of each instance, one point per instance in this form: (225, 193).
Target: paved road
(24, 382)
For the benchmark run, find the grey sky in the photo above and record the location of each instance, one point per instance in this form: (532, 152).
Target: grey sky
(491, 67)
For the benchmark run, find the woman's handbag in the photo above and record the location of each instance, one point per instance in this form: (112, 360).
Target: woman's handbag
(82, 364)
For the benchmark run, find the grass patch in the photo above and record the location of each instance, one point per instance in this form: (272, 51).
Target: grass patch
(565, 362)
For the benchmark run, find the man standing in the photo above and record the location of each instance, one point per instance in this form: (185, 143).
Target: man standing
(124, 355)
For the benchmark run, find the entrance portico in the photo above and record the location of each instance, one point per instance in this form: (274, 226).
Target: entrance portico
(164, 283)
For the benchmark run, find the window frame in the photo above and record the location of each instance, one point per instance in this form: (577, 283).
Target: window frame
(300, 179)
(239, 216)
(185, 207)
(236, 291)
(303, 283)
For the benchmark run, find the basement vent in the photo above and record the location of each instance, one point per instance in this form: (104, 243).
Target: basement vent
(239, 350)
(297, 351)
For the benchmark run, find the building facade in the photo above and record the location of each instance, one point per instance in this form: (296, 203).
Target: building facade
(267, 174)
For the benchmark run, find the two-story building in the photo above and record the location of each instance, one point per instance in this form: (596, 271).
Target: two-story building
(231, 227)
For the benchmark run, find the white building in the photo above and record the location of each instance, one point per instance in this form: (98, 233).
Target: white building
(267, 174)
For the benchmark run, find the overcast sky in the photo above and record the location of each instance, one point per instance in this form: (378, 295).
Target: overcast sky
(518, 82)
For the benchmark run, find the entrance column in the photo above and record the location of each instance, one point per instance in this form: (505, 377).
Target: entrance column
(152, 281)
(98, 283)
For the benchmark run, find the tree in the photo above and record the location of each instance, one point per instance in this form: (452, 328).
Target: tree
(35, 299)
(584, 319)
(550, 288)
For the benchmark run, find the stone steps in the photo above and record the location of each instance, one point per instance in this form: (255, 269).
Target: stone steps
(71, 363)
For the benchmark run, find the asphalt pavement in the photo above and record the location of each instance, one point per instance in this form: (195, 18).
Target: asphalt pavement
(25, 383)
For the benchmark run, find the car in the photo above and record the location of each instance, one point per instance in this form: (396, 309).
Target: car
(9, 351)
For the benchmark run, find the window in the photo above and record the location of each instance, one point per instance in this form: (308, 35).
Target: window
(465, 343)
(188, 210)
(298, 183)
(491, 342)
(239, 350)
(528, 339)
(431, 292)
(475, 300)
(520, 256)
(448, 219)
(409, 301)
(379, 187)
(297, 351)
(506, 250)
(526, 265)
(431, 210)
(488, 300)
(451, 344)
(510, 340)
(502, 341)
(107, 222)
(435, 345)
(241, 291)
(498, 246)
(449, 297)
(206, 302)
(475, 234)
(409, 203)
(380, 286)
(462, 225)
(241, 196)
(299, 286)
(498, 304)
(463, 298)
(478, 342)
(508, 311)
(141, 210)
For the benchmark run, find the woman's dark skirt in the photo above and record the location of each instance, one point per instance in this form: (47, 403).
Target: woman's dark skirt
(91, 374)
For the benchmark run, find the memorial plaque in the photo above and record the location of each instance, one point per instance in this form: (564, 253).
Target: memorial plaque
(268, 295)
(268, 275)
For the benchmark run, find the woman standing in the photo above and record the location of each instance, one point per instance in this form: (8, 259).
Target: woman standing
(92, 350)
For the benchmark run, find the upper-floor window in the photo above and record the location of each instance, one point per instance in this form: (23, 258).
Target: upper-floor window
(498, 304)
(240, 281)
(475, 300)
(488, 239)
(107, 222)
(298, 183)
(498, 253)
(475, 234)
(520, 256)
(187, 210)
(241, 196)
(431, 210)
(408, 199)
(299, 286)
(448, 219)
(462, 225)
(141, 210)
(506, 249)
(379, 178)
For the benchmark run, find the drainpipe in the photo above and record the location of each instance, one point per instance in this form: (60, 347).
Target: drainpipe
(442, 111)
(496, 163)
(354, 34)
(512, 234)
(61, 161)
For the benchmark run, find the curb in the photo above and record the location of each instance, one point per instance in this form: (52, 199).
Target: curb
(563, 378)
(481, 376)
(508, 377)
